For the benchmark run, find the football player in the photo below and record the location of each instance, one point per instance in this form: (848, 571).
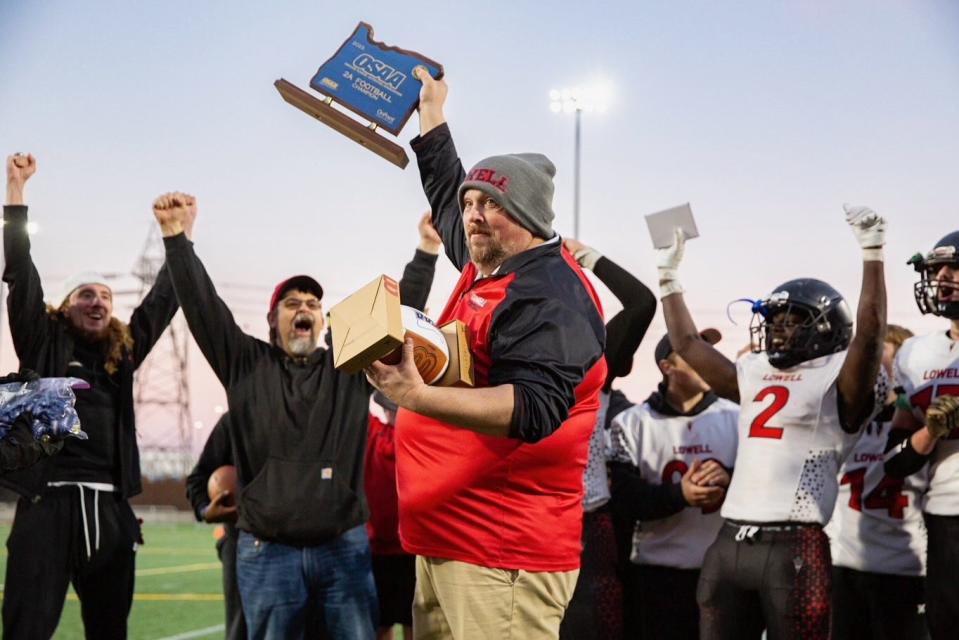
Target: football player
(877, 535)
(924, 427)
(805, 392)
(683, 436)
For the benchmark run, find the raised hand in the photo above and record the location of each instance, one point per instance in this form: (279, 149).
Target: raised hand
(19, 169)
(430, 241)
(867, 225)
(175, 212)
(432, 98)
(667, 263)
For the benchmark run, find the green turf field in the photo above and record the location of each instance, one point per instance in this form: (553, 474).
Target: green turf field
(178, 590)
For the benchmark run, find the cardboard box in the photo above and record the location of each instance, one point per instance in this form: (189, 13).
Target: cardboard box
(459, 373)
(366, 325)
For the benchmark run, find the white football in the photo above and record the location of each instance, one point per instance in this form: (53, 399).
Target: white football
(430, 353)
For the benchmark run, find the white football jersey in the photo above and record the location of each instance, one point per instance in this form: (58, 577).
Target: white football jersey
(790, 441)
(926, 367)
(877, 524)
(595, 480)
(662, 447)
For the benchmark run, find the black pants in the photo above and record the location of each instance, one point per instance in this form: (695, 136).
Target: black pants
(779, 578)
(877, 606)
(942, 576)
(664, 602)
(47, 551)
(226, 549)
(596, 608)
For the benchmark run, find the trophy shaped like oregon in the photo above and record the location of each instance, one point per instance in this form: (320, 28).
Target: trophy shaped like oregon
(374, 81)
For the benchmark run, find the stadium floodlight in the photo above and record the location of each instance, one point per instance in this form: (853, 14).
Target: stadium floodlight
(576, 100)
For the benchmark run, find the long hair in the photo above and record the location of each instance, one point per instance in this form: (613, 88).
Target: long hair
(118, 340)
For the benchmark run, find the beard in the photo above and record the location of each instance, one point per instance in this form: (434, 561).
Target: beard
(487, 256)
(301, 345)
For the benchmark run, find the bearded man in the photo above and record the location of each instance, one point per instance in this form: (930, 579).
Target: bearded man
(73, 523)
(298, 428)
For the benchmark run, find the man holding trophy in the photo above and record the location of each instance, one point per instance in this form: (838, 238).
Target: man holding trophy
(490, 478)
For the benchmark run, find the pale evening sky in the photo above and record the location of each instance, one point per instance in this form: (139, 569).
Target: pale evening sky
(766, 116)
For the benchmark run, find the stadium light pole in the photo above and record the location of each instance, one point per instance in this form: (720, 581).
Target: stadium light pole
(576, 100)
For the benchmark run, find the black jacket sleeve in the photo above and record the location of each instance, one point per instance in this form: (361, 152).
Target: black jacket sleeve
(635, 499)
(544, 349)
(216, 452)
(230, 352)
(151, 318)
(418, 280)
(27, 311)
(626, 329)
(441, 173)
(901, 459)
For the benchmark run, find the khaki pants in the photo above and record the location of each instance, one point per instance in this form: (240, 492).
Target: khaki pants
(467, 602)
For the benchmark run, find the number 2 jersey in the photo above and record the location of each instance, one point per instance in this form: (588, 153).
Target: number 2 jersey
(926, 367)
(877, 524)
(791, 443)
(662, 445)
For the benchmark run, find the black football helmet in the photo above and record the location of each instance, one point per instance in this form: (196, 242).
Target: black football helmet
(825, 324)
(927, 290)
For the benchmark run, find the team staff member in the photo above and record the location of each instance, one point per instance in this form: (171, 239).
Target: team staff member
(877, 537)
(807, 390)
(73, 522)
(926, 429)
(298, 428)
(682, 429)
(491, 478)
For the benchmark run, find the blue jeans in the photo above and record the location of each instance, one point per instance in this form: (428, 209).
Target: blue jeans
(280, 584)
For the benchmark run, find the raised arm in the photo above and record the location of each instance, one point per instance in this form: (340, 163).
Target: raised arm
(857, 378)
(626, 329)
(441, 171)
(229, 351)
(418, 275)
(717, 370)
(27, 310)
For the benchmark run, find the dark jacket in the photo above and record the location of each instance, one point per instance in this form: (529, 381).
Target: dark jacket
(545, 330)
(216, 452)
(45, 344)
(298, 428)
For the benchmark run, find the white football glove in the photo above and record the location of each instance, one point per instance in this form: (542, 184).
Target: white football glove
(867, 225)
(667, 263)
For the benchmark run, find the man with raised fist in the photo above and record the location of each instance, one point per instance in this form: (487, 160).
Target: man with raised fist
(73, 523)
(298, 432)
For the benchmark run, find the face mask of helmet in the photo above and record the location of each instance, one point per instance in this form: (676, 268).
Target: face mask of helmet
(930, 294)
(801, 320)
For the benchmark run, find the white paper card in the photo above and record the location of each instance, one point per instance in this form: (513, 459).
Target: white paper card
(662, 223)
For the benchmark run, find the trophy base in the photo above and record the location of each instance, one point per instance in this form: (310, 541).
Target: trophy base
(341, 122)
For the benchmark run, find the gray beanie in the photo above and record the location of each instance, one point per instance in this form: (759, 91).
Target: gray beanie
(522, 183)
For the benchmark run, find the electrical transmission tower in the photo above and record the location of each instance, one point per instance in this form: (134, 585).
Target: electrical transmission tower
(162, 385)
